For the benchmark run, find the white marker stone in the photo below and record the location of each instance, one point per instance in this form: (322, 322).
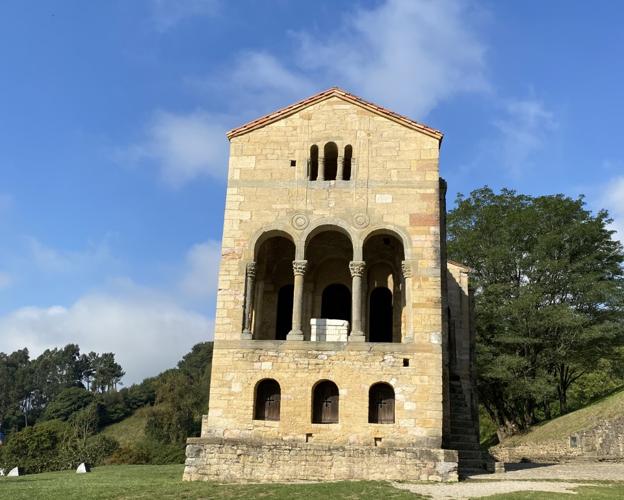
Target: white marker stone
(83, 468)
(14, 472)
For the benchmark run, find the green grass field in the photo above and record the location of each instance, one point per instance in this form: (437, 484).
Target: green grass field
(559, 429)
(165, 481)
(130, 430)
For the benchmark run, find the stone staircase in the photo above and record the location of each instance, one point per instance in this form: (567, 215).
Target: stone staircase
(464, 436)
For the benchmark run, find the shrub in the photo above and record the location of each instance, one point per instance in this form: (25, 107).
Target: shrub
(67, 402)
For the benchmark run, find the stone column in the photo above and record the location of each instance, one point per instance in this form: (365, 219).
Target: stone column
(357, 270)
(406, 269)
(250, 280)
(340, 171)
(299, 268)
(321, 168)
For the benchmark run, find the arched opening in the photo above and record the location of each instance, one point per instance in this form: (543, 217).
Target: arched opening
(346, 163)
(336, 302)
(267, 400)
(330, 161)
(283, 321)
(328, 253)
(272, 313)
(325, 403)
(313, 163)
(385, 287)
(381, 404)
(380, 315)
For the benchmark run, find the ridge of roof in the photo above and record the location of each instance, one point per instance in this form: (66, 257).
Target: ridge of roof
(326, 94)
(459, 264)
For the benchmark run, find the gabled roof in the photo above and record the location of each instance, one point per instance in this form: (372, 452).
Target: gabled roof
(341, 94)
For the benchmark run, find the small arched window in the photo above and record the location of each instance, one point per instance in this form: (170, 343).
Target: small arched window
(313, 163)
(381, 404)
(346, 163)
(267, 400)
(325, 403)
(330, 161)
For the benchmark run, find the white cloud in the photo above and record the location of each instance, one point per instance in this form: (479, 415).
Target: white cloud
(168, 13)
(409, 55)
(523, 129)
(613, 200)
(199, 281)
(184, 146)
(6, 280)
(147, 332)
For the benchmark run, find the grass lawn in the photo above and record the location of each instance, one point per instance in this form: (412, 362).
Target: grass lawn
(598, 491)
(165, 481)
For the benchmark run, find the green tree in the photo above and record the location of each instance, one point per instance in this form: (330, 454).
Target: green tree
(549, 296)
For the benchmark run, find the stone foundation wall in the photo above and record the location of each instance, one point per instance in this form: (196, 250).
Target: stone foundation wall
(238, 461)
(413, 370)
(605, 441)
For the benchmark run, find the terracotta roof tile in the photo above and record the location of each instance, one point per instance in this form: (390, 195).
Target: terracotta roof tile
(321, 96)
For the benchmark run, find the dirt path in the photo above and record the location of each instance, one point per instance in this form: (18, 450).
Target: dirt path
(555, 478)
(472, 489)
(576, 471)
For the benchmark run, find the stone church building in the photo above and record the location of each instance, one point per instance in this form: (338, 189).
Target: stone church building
(343, 338)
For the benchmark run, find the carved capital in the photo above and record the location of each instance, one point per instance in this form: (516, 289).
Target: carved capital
(299, 267)
(251, 270)
(406, 269)
(357, 268)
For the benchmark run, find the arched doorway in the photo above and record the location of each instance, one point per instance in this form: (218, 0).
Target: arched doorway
(283, 319)
(267, 400)
(381, 404)
(380, 315)
(325, 403)
(336, 302)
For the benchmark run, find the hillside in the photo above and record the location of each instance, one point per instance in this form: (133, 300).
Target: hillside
(552, 440)
(130, 430)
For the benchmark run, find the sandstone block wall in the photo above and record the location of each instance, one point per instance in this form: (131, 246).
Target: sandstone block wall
(297, 366)
(236, 461)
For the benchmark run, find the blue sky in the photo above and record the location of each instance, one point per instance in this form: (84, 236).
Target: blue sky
(113, 153)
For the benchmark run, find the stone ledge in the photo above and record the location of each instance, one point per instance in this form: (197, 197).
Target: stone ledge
(229, 460)
(307, 345)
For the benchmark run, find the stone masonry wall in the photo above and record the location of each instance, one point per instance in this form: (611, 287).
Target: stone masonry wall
(298, 365)
(238, 461)
(394, 186)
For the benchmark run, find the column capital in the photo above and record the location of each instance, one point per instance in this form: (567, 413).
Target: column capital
(299, 267)
(406, 268)
(251, 269)
(357, 268)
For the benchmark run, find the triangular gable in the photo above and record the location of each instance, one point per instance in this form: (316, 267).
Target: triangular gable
(333, 92)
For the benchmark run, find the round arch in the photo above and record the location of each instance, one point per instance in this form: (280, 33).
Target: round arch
(264, 234)
(324, 225)
(390, 230)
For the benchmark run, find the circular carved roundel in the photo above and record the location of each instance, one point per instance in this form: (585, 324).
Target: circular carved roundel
(300, 221)
(360, 220)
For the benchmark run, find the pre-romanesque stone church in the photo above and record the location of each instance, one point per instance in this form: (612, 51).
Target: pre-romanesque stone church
(343, 338)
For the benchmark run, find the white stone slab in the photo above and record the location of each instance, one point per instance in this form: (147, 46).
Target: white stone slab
(328, 330)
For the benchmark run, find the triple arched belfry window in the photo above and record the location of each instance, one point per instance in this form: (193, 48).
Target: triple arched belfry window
(331, 166)
(325, 402)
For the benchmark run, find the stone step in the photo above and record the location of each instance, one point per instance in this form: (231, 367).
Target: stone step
(470, 471)
(466, 437)
(462, 445)
(475, 463)
(464, 454)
